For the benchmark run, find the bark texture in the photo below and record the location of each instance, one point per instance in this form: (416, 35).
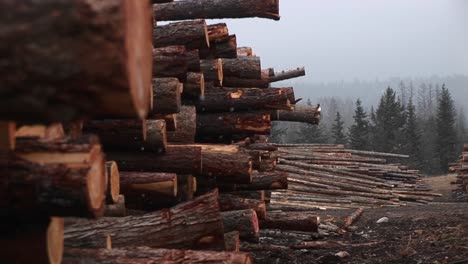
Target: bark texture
(186, 126)
(166, 95)
(191, 34)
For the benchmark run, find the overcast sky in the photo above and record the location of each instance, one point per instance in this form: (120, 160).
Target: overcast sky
(364, 39)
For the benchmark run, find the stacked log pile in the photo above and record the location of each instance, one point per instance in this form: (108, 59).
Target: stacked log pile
(461, 168)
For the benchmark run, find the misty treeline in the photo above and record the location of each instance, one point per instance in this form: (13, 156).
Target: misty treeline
(422, 122)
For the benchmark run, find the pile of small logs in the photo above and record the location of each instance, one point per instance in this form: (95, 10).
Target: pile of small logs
(461, 168)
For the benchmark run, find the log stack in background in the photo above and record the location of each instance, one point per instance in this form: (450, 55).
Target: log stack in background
(461, 168)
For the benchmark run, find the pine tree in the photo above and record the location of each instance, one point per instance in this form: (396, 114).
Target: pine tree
(359, 132)
(339, 137)
(446, 142)
(412, 136)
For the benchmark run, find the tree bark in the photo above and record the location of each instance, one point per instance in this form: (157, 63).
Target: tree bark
(7, 136)
(129, 134)
(242, 67)
(244, 100)
(208, 9)
(144, 255)
(230, 81)
(177, 159)
(225, 124)
(170, 119)
(290, 221)
(256, 195)
(117, 209)
(302, 113)
(244, 221)
(87, 75)
(227, 167)
(225, 47)
(230, 203)
(196, 224)
(60, 178)
(191, 34)
(212, 71)
(194, 87)
(232, 241)
(170, 61)
(186, 127)
(260, 181)
(113, 182)
(166, 94)
(40, 242)
(285, 75)
(193, 61)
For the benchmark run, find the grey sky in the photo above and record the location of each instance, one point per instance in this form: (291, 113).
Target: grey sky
(364, 39)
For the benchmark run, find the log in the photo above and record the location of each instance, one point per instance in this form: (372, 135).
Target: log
(194, 87)
(225, 47)
(177, 159)
(186, 128)
(227, 167)
(222, 124)
(256, 195)
(244, 100)
(232, 241)
(170, 61)
(117, 209)
(129, 134)
(242, 67)
(212, 71)
(193, 61)
(191, 34)
(7, 136)
(60, 178)
(145, 190)
(231, 203)
(217, 31)
(144, 255)
(285, 75)
(302, 113)
(73, 129)
(209, 9)
(245, 51)
(380, 154)
(352, 218)
(170, 119)
(196, 224)
(50, 132)
(186, 187)
(260, 181)
(244, 221)
(38, 242)
(166, 94)
(113, 182)
(230, 81)
(95, 76)
(290, 221)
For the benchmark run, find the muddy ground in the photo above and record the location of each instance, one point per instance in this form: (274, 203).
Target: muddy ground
(432, 233)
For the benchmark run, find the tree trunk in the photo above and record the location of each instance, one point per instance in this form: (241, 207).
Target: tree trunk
(129, 134)
(225, 124)
(290, 221)
(7, 136)
(285, 75)
(232, 241)
(245, 99)
(144, 255)
(230, 203)
(40, 242)
(87, 75)
(225, 47)
(244, 221)
(194, 87)
(186, 127)
(117, 209)
(260, 181)
(113, 182)
(196, 224)
(170, 61)
(208, 9)
(302, 113)
(245, 51)
(242, 67)
(193, 61)
(177, 159)
(191, 34)
(166, 94)
(60, 178)
(212, 71)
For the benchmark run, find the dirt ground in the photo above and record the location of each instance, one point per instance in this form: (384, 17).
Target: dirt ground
(432, 233)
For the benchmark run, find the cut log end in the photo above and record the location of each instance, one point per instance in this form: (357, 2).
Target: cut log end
(113, 185)
(55, 240)
(138, 43)
(96, 183)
